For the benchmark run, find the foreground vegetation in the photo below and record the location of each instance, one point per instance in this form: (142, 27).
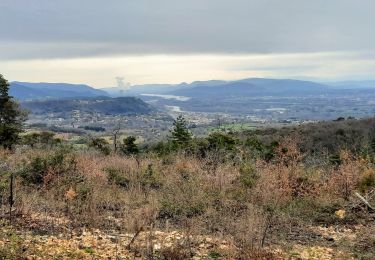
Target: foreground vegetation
(247, 195)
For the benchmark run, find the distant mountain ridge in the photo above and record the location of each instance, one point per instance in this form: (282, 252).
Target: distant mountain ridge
(204, 89)
(245, 87)
(33, 91)
(100, 105)
(158, 88)
(254, 87)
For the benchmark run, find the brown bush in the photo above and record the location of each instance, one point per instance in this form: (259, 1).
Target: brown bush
(249, 202)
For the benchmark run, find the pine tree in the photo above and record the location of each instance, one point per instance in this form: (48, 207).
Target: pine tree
(11, 116)
(129, 146)
(180, 134)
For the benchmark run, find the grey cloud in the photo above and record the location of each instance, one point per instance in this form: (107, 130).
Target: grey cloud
(285, 68)
(72, 28)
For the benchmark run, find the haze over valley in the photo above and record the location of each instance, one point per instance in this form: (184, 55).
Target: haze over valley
(252, 101)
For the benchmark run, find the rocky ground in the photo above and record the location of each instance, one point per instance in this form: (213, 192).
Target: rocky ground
(320, 242)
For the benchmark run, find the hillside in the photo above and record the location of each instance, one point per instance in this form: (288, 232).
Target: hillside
(31, 91)
(224, 196)
(254, 87)
(102, 105)
(251, 87)
(325, 137)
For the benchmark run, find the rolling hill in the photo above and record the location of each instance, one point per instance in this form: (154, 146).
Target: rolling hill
(32, 91)
(101, 105)
(158, 88)
(253, 87)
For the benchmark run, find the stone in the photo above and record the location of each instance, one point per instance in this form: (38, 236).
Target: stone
(113, 239)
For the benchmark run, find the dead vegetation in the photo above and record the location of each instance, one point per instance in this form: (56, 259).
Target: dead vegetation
(84, 204)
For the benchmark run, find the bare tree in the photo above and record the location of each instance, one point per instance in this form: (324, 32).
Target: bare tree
(116, 135)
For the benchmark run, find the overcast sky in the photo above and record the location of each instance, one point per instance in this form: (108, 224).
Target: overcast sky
(170, 41)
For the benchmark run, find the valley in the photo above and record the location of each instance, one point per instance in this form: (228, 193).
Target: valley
(187, 173)
(187, 130)
(147, 111)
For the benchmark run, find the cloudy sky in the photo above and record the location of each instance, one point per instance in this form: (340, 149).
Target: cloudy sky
(171, 41)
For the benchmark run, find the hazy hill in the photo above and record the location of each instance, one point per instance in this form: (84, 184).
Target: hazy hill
(360, 84)
(276, 99)
(30, 91)
(138, 89)
(215, 88)
(245, 87)
(254, 87)
(102, 105)
(158, 88)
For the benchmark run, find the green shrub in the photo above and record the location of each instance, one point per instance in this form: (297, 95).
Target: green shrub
(248, 176)
(318, 211)
(178, 210)
(219, 140)
(116, 177)
(269, 152)
(89, 250)
(42, 139)
(184, 198)
(35, 171)
(101, 145)
(214, 255)
(148, 179)
(163, 148)
(198, 147)
(42, 170)
(255, 144)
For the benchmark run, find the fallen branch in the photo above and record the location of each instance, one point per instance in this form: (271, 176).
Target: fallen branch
(133, 238)
(364, 200)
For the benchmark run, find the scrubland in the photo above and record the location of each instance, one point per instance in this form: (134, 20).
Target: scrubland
(228, 196)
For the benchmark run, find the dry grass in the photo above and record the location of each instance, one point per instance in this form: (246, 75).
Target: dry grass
(186, 193)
